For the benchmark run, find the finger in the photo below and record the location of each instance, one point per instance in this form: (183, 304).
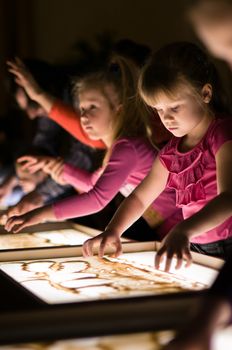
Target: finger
(56, 170)
(10, 63)
(25, 159)
(14, 70)
(49, 166)
(159, 256)
(59, 175)
(179, 261)
(168, 263)
(87, 248)
(15, 220)
(19, 227)
(102, 247)
(57, 165)
(118, 249)
(188, 257)
(3, 219)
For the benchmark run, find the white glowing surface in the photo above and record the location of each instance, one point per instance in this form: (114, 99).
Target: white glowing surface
(43, 239)
(222, 339)
(146, 341)
(78, 279)
(195, 272)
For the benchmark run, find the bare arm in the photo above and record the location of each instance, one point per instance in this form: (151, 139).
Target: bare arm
(130, 210)
(219, 209)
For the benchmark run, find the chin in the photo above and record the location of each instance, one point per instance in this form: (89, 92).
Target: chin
(94, 137)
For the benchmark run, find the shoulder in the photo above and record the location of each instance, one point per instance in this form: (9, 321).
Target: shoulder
(219, 133)
(132, 144)
(133, 150)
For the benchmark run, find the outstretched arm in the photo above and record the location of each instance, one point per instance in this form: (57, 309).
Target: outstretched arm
(36, 216)
(131, 209)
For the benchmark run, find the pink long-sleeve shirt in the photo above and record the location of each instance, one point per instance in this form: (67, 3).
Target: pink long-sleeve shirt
(129, 163)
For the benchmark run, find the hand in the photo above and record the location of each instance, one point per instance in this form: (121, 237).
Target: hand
(29, 181)
(29, 202)
(176, 243)
(55, 168)
(37, 216)
(105, 238)
(24, 78)
(33, 163)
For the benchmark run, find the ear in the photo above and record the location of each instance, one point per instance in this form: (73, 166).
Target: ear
(118, 108)
(207, 92)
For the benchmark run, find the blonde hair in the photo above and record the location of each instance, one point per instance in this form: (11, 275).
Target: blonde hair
(181, 63)
(133, 118)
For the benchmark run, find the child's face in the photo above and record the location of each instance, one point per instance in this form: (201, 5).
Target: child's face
(181, 114)
(97, 116)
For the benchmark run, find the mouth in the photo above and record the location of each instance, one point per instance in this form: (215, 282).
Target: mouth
(87, 128)
(171, 128)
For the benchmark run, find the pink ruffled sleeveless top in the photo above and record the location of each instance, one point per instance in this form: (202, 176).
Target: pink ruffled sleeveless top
(193, 175)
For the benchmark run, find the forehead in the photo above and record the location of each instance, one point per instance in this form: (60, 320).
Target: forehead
(180, 94)
(91, 95)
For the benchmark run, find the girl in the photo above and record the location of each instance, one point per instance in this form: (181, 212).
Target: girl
(180, 84)
(213, 22)
(108, 113)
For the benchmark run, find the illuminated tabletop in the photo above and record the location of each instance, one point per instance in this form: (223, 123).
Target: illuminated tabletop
(76, 297)
(222, 339)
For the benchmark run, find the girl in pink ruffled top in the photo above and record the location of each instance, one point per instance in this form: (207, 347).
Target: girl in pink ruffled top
(109, 112)
(181, 84)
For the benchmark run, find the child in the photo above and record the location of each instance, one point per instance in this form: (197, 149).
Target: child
(180, 84)
(212, 20)
(108, 114)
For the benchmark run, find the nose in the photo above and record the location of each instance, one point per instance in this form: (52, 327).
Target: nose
(167, 116)
(84, 118)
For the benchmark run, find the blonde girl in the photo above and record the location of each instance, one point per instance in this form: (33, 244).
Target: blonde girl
(181, 84)
(110, 113)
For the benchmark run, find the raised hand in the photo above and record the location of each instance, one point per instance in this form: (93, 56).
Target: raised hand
(175, 244)
(55, 168)
(106, 238)
(24, 78)
(33, 163)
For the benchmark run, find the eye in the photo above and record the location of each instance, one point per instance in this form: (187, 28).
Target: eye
(175, 109)
(159, 111)
(92, 107)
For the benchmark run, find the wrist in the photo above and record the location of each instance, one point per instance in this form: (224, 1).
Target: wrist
(45, 213)
(185, 228)
(113, 230)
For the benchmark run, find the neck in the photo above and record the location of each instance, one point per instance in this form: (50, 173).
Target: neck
(108, 140)
(193, 138)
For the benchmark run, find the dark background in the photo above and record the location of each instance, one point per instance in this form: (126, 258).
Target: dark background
(51, 29)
